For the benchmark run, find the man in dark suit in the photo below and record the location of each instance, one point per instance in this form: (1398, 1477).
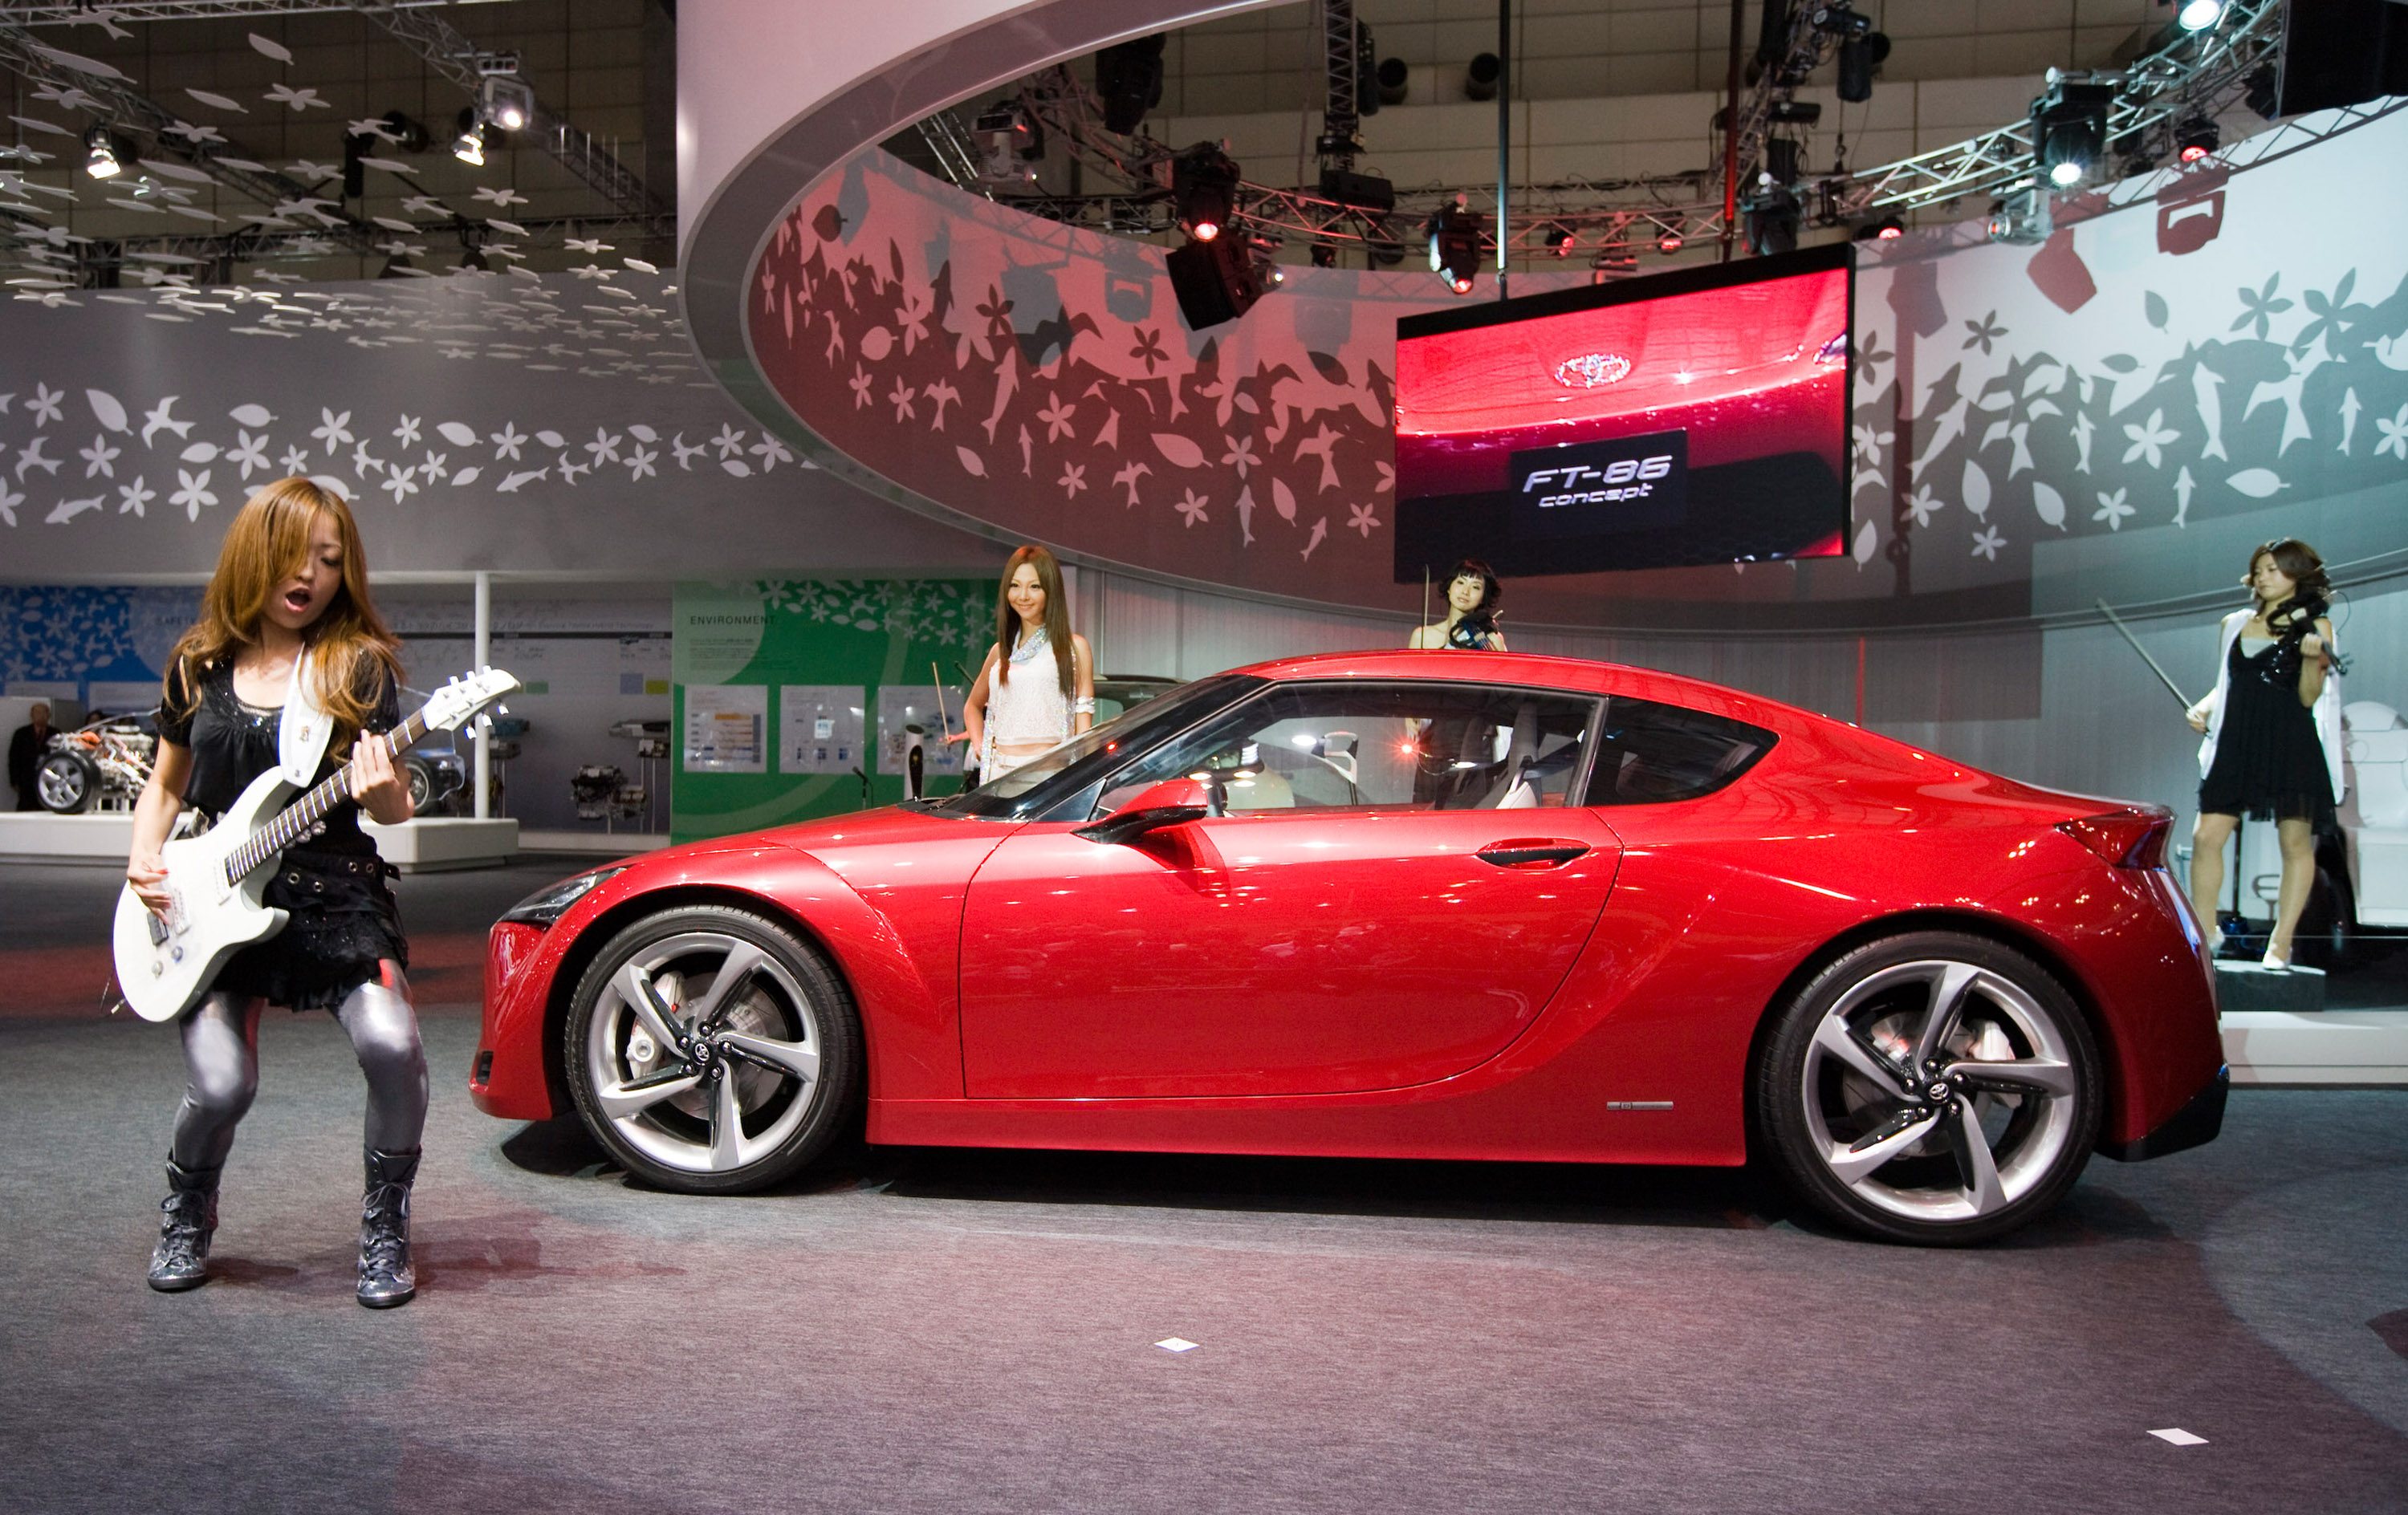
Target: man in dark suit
(26, 750)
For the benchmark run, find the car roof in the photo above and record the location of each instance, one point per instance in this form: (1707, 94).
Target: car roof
(1536, 669)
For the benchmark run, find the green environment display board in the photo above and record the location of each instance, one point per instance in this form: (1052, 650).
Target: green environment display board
(794, 697)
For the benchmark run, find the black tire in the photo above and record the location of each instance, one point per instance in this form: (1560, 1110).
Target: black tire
(786, 1049)
(422, 786)
(66, 783)
(1894, 1157)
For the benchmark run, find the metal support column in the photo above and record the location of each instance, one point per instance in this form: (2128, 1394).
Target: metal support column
(484, 632)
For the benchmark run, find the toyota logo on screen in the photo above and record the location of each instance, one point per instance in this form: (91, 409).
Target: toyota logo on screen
(1591, 369)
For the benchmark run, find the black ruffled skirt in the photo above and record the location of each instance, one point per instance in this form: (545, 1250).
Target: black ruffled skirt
(342, 922)
(2269, 765)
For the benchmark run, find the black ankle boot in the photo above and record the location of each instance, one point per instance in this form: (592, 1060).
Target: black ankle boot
(188, 1217)
(386, 1277)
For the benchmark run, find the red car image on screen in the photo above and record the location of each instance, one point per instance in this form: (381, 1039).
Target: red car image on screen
(1740, 388)
(1459, 906)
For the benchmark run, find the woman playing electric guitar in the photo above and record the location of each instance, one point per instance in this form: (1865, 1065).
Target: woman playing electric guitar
(290, 660)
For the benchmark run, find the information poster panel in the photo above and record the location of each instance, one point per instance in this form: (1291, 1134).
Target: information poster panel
(848, 662)
(901, 706)
(724, 728)
(819, 728)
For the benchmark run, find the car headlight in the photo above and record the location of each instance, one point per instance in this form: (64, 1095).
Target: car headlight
(551, 902)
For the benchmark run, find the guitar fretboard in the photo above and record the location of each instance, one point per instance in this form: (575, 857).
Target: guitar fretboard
(293, 821)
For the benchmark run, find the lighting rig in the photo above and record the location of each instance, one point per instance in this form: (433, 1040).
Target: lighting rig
(2186, 75)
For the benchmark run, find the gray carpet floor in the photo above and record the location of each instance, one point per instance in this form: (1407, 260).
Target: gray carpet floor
(918, 1329)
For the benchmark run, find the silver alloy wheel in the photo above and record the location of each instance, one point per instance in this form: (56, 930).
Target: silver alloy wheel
(1939, 1090)
(64, 784)
(703, 1052)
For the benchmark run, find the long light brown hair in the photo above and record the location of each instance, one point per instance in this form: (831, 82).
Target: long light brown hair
(1057, 616)
(269, 542)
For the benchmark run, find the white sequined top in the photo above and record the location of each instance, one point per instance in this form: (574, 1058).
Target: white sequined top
(1027, 713)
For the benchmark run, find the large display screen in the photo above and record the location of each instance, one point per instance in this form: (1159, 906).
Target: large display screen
(1697, 416)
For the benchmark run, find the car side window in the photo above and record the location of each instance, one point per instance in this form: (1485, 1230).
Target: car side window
(1650, 753)
(1421, 745)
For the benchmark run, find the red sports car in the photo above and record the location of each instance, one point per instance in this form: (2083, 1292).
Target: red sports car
(1433, 905)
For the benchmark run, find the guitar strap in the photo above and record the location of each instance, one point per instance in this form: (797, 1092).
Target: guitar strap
(302, 737)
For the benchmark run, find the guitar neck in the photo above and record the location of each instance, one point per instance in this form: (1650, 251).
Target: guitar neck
(293, 821)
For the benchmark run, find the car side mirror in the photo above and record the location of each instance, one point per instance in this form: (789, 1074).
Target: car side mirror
(1171, 803)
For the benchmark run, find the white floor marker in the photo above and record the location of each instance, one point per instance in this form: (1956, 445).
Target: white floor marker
(2179, 1436)
(1181, 1344)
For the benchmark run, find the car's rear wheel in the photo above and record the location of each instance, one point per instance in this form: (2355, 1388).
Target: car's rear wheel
(1935, 1088)
(712, 1051)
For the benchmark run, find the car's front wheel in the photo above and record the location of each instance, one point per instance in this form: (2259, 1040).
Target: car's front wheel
(711, 1050)
(1935, 1088)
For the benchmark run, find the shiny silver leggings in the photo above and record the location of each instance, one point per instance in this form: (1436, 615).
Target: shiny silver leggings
(221, 1065)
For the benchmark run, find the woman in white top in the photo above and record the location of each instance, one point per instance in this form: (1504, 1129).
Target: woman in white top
(1037, 689)
(2273, 722)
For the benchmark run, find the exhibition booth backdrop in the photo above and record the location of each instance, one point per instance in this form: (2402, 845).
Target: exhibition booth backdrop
(2173, 374)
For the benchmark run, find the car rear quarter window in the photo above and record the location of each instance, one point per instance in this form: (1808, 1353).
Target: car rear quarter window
(1653, 753)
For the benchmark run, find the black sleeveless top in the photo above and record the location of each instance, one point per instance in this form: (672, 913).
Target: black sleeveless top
(234, 743)
(342, 919)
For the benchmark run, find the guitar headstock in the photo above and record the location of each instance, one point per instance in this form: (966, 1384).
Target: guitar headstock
(450, 707)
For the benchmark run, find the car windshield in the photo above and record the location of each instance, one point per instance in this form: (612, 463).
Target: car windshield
(1027, 790)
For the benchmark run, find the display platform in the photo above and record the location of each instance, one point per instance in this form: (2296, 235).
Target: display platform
(428, 845)
(442, 843)
(2246, 986)
(2333, 1046)
(603, 843)
(99, 840)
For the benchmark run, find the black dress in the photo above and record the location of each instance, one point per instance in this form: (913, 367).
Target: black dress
(2269, 765)
(342, 916)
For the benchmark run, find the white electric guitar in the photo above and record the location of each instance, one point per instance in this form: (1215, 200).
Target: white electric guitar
(215, 880)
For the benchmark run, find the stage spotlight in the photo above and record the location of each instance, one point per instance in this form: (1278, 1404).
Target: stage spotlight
(2199, 15)
(1669, 243)
(2196, 138)
(1858, 56)
(505, 102)
(1128, 80)
(1324, 254)
(2070, 128)
(1008, 142)
(1454, 235)
(1394, 80)
(1770, 219)
(101, 160)
(469, 146)
(1215, 280)
(1559, 239)
(1204, 190)
(1479, 79)
(1607, 266)
(1888, 229)
(2259, 91)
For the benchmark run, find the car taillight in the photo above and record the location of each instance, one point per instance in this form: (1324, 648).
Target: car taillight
(2133, 838)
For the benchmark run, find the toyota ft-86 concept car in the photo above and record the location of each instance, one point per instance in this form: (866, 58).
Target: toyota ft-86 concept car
(1430, 904)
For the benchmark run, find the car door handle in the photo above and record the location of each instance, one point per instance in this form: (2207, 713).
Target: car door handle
(1531, 852)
